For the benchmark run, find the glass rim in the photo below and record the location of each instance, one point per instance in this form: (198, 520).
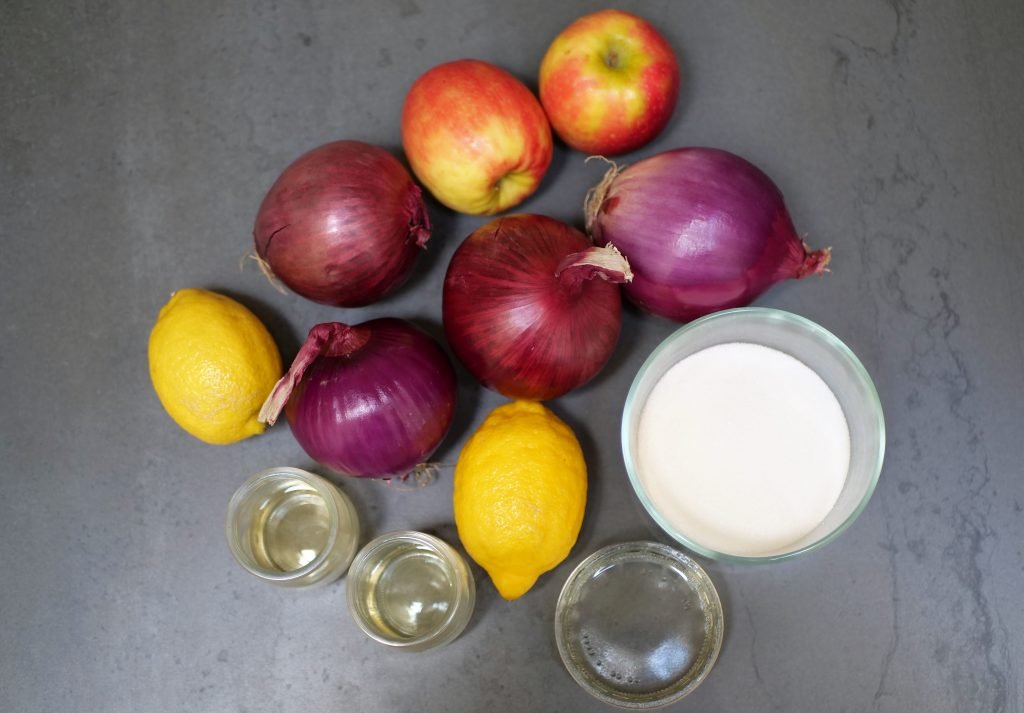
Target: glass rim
(321, 486)
(776, 315)
(457, 569)
(597, 562)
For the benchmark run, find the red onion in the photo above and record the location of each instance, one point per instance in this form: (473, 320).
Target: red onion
(372, 400)
(703, 230)
(342, 225)
(523, 311)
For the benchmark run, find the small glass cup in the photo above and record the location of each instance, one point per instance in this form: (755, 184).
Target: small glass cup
(410, 591)
(639, 625)
(292, 528)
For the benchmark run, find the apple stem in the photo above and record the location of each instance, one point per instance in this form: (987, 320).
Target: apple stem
(596, 196)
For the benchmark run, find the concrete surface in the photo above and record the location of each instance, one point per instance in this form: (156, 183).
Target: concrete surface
(136, 141)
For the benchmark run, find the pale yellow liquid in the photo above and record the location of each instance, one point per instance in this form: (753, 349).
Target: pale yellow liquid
(291, 528)
(410, 592)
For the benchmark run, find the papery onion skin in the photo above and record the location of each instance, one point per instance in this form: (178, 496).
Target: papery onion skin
(703, 230)
(371, 400)
(531, 307)
(343, 224)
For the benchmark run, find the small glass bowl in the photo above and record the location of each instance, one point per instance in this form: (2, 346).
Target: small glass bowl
(819, 350)
(410, 591)
(292, 528)
(639, 625)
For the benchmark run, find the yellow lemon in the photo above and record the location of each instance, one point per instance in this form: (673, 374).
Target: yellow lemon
(212, 363)
(520, 491)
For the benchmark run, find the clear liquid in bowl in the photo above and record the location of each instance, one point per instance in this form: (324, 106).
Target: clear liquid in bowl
(638, 625)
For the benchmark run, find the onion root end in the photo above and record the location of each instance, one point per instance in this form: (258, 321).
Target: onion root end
(815, 262)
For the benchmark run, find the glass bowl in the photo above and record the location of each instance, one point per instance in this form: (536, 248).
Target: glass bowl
(410, 591)
(817, 349)
(292, 528)
(638, 625)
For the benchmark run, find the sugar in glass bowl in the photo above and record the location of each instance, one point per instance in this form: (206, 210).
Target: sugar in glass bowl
(813, 380)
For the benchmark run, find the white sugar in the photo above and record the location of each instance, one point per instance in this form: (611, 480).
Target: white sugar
(743, 449)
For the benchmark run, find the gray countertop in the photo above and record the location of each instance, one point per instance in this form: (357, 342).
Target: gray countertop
(136, 141)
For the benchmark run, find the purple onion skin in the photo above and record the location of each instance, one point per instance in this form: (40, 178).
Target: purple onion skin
(379, 405)
(522, 322)
(703, 230)
(343, 224)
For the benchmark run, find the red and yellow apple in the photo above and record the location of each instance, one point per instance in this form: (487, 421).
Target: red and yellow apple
(475, 136)
(609, 83)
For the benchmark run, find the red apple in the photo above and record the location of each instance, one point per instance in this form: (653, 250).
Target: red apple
(475, 136)
(609, 83)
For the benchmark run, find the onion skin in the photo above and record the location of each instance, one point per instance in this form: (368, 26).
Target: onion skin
(531, 307)
(371, 400)
(342, 225)
(703, 230)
